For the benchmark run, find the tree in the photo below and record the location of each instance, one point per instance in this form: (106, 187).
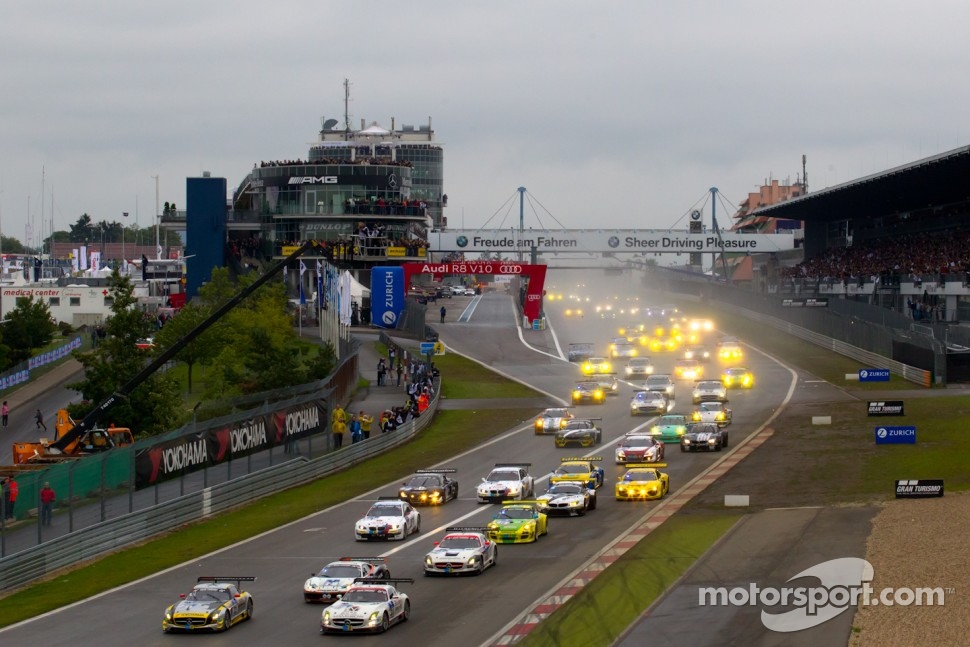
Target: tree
(153, 406)
(11, 245)
(81, 230)
(27, 327)
(202, 350)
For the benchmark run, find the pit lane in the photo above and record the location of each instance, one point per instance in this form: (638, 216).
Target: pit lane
(446, 611)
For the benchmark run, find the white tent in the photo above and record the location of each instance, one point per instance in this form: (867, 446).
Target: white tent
(357, 289)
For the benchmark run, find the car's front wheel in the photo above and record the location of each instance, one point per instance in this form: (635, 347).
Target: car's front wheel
(249, 610)
(407, 611)
(385, 622)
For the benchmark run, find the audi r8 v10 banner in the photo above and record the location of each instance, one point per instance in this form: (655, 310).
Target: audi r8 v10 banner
(197, 450)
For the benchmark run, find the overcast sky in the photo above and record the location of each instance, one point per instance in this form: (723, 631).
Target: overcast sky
(612, 114)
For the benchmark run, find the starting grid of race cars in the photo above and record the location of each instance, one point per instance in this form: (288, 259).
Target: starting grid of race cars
(360, 594)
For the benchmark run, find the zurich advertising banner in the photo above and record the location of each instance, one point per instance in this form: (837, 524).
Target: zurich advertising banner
(895, 435)
(387, 296)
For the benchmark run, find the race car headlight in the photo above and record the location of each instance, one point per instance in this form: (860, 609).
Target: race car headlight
(598, 393)
(428, 561)
(514, 490)
(576, 503)
(655, 430)
(711, 441)
(472, 561)
(539, 424)
(685, 441)
(168, 614)
(372, 621)
(404, 494)
(629, 370)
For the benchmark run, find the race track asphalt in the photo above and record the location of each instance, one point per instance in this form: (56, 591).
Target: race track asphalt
(766, 548)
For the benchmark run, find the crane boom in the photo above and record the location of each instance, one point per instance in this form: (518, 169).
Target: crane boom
(90, 420)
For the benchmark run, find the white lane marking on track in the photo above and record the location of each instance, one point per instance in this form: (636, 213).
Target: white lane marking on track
(466, 315)
(518, 329)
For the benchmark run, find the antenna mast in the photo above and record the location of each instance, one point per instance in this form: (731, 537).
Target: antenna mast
(804, 174)
(347, 105)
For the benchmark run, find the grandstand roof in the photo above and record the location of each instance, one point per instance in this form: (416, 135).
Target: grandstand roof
(937, 180)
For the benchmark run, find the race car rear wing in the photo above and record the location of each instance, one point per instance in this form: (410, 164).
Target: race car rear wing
(513, 464)
(634, 465)
(436, 471)
(580, 458)
(481, 529)
(368, 560)
(238, 579)
(370, 580)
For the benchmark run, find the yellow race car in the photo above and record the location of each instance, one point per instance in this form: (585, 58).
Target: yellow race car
(738, 378)
(518, 522)
(729, 351)
(596, 365)
(643, 481)
(579, 470)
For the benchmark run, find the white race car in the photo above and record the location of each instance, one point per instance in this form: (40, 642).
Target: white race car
(506, 481)
(552, 420)
(463, 550)
(567, 498)
(709, 391)
(388, 518)
(335, 578)
(367, 606)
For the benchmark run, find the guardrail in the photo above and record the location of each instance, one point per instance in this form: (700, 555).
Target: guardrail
(875, 360)
(98, 540)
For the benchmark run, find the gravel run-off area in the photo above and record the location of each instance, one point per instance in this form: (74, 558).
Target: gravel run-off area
(919, 543)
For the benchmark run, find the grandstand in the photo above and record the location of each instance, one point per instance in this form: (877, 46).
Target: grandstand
(890, 250)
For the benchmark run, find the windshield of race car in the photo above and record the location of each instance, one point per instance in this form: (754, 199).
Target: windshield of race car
(385, 510)
(339, 571)
(516, 513)
(709, 385)
(209, 595)
(641, 475)
(578, 424)
(573, 468)
(637, 441)
(365, 595)
(460, 542)
(566, 488)
(502, 475)
(712, 407)
(425, 480)
(672, 420)
(555, 413)
(646, 396)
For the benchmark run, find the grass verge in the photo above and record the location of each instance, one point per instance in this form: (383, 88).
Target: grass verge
(450, 433)
(603, 609)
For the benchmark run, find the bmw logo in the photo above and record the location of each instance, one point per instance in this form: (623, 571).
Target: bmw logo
(462, 241)
(881, 432)
(389, 318)
(614, 241)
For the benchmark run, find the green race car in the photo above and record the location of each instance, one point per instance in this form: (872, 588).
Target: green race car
(670, 427)
(519, 522)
